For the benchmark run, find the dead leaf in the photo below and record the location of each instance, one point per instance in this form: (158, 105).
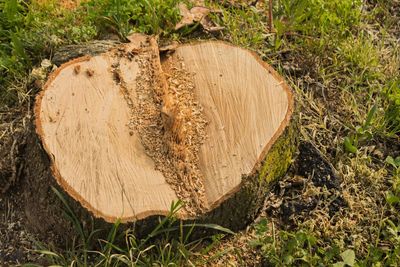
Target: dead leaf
(189, 17)
(197, 14)
(169, 47)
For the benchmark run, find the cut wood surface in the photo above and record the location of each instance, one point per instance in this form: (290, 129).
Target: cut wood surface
(247, 105)
(129, 132)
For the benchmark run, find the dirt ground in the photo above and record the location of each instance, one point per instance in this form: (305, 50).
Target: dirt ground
(16, 242)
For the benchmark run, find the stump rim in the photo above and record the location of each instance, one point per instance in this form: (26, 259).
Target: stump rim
(143, 215)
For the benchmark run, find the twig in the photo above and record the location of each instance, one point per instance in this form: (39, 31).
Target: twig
(270, 18)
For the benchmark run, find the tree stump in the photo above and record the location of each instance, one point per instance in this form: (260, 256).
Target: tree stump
(128, 132)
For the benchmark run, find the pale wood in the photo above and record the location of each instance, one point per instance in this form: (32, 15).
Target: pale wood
(248, 104)
(83, 117)
(82, 121)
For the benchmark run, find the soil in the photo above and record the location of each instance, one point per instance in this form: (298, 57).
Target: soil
(16, 243)
(313, 181)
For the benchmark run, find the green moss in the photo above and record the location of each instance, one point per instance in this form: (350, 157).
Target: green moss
(279, 157)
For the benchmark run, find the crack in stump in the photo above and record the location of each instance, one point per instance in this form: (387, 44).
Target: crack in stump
(170, 123)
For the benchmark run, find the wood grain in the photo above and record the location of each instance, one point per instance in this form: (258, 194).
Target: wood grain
(83, 119)
(83, 125)
(248, 106)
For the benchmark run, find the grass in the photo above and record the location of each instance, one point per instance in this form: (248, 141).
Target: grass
(342, 59)
(169, 243)
(28, 34)
(124, 16)
(245, 26)
(392, 118)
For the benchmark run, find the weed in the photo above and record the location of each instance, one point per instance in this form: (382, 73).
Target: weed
(348, 259)
(360, 59)
(300, 248)
(315, 22)
(393, 196)
(362, 133)
(392, 114)
(317, 17)
(124, 16)
(386, 250)
(244, 25)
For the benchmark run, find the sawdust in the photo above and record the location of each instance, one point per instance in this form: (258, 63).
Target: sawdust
(185, 132)
(168, 120)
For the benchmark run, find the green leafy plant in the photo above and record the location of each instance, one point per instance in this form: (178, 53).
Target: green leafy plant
(317, 17)
(386, 251)
(300, 248)
(392, 113)
(125, 16)
(362, 133)
(13, 57)
(348, 259)
(314, 21)
(393, 196)
(244, 25)
(395, 163)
